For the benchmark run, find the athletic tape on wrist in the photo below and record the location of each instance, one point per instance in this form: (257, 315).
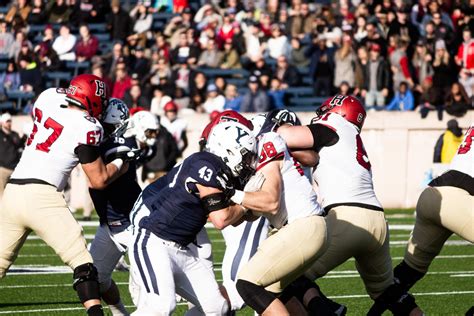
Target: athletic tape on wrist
(238, 197)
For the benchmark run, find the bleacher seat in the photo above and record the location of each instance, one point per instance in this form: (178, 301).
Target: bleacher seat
(105, 47)
(239, 82)
(162, 16)
(307, 80)
(3, 66)
(102, 36)
(158, 26)
(77, 67)
(216, 72)
(7, 105)
(303, 71)
(4, 9)
(55, 77)
(97, 27)
(19, 97)
(312, 101)
(300, 91)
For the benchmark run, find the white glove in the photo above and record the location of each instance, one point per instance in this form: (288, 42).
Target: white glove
(255, 182)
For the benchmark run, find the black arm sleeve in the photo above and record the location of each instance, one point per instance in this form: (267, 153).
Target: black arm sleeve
(87, 153)
(215, 202)
(323, 136)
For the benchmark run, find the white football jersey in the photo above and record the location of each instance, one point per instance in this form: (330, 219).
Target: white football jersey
(463, 161)
(344, 172)
(57, 131)
(176, 128)
(298, 197)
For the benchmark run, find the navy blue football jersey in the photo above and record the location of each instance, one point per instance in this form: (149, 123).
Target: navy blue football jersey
(176, 212)
(114, 203)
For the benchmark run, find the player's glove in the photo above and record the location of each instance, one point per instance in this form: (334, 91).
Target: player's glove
(122, 152)
(282, 117)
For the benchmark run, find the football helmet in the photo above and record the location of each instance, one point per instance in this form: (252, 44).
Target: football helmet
(236, 145)
(257, 122)
(88, 92)
(115, 115)
(348, 107)
(144, 126)
(226, 116)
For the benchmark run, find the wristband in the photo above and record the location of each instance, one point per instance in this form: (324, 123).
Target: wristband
(238, 197)
(117, 163)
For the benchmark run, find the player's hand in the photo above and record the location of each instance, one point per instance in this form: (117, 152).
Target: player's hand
(285, 117)
(226, 182)
(122, 152)
(255, 182)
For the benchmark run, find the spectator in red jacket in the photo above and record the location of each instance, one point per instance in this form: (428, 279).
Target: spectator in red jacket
(122, 82)
(87, 46)
(465, 55)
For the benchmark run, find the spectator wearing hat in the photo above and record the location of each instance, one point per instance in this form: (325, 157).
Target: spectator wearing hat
(253, 43)
(87, 46)
(11, 148)
(119, 22)
(278, 44)
(403, 99)
(211, 57)
(176, 126)
(286, 73)
(321, 68)
(345, 63)
(377, 79)
(230, 57)
(44, 50)
(260, 68)
(443, 76)
(139, 64)
(256, 99)
(64, 44)
(457, 102)
(448, 143)
(58, 11)
(214, 100)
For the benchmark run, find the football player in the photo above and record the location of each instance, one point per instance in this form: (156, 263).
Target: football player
(66, 132)
(444, 207)
(172, 210)
(114, 203)
(286, 198)
(355, 218)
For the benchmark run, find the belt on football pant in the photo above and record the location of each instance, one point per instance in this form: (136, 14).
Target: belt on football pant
(28, 181)
(168, 243)
(361, 205)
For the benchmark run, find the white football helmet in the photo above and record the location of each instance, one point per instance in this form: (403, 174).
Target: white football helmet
(144, 126)
(257, 122)
(236, 145)
(115, 115)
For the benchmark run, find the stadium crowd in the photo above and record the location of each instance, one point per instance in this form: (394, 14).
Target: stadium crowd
(249, 56)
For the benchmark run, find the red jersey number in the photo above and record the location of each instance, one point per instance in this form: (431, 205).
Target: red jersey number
(48, 124)
(268, 152)
(467, 143)
(362, 157)
(93, 137)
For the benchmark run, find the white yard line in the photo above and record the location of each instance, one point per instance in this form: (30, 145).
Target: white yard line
(416, 294)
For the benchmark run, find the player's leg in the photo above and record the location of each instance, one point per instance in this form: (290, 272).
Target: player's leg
(152, 266)
(241, 244)
(279, 260)
(375, 268)
(439, 212)
(196, 282)
(12, 230)
(52, 221)
(106, 254)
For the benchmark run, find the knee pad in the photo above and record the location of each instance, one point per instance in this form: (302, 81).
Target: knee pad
(406, 276)
(215, 307)
(255, 296)
(85, 282)
(298, 289)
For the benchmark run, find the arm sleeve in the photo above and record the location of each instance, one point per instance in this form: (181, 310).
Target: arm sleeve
(323, 136)
(87, 153)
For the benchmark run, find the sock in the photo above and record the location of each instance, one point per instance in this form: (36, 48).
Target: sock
(317, 307)
(95, 310)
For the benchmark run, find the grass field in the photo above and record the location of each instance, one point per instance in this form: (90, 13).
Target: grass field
(39, 284)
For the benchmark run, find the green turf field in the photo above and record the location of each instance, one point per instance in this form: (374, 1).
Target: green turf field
(448, 289)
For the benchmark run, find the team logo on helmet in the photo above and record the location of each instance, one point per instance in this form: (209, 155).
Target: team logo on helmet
(338, 100)
(100, 88)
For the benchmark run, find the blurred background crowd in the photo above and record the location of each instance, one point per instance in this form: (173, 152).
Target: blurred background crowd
(245, 55)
